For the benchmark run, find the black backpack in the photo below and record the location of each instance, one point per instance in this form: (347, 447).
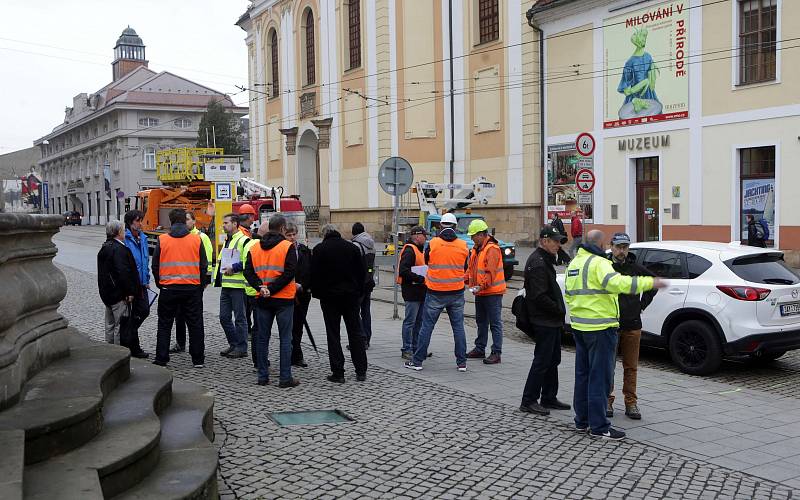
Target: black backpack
(519, 308)
(369, 265)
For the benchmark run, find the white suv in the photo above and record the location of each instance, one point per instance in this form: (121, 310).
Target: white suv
(723, 300)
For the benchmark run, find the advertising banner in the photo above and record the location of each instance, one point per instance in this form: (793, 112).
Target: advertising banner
(758, 200)
(646, 65)
(563, 163)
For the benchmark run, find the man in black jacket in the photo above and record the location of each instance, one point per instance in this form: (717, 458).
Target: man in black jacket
(413, 288)
(117, 280)
(630, 324)
(546, 312)
(337, 280)
(177, 292)
(302, 278)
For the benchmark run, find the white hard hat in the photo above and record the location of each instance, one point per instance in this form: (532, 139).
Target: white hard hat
(449, 219)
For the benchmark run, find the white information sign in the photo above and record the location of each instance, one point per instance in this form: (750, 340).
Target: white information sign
(222, 172)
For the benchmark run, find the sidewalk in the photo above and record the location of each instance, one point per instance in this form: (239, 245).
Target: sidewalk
(744, 430)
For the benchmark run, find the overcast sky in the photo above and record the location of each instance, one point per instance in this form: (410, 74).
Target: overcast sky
(196, 39)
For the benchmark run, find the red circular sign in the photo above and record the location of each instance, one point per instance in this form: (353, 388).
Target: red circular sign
(585, 180)
(585, 144)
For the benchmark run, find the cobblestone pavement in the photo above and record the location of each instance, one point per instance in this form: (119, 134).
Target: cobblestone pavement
(411, 437)
(778, 377)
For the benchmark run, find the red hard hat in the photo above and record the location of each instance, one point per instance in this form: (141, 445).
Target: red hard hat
(247, 209)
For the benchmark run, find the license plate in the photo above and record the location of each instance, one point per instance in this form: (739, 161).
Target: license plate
(790, 309)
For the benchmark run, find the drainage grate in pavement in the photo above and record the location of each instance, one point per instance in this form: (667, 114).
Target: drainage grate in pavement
(311, 417)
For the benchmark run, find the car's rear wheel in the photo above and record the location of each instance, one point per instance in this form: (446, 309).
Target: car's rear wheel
(695, 347)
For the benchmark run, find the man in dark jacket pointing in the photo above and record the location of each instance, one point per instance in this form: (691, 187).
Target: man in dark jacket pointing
(630, 323)
(546, 312)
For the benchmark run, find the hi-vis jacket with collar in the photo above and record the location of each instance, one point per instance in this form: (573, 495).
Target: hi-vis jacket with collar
(592, 288)
(235, 280)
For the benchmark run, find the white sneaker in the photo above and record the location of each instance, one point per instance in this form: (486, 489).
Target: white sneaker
(199, 365)
(462, 368)
(411, 366)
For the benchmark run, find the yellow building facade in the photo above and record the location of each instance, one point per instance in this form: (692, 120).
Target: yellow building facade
(338, 86)
(694, 108)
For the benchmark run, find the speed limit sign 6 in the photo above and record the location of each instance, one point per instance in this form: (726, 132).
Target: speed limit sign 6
(585, 144)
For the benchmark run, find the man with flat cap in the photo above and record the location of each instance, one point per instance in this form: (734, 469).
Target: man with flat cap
(546, 310)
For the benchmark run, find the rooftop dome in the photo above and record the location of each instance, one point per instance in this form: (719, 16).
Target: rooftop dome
(129, 37)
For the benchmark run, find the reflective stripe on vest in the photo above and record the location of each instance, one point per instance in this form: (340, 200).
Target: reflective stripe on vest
(235, 280)
(419, 260)
(179, 261)
(208, 248)
(479, 266)
(446, 265)
(248, 290)
(269, 265)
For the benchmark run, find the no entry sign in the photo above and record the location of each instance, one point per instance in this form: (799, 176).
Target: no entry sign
(585, 180)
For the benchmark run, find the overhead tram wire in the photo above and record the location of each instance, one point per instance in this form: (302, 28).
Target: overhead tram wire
(535, 82)
(485, 51)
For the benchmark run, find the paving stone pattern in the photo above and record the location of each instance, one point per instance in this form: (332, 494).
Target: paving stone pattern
(778, 377)
(411, 438)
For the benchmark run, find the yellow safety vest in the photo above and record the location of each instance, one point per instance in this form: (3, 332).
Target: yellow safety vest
(236, 280)
(249, 290)
(208, 248)
(592, 288)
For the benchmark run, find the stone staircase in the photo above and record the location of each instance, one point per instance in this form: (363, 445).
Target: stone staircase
(80, 419)
(97, 424)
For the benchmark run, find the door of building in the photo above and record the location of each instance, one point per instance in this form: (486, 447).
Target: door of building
(647, 199)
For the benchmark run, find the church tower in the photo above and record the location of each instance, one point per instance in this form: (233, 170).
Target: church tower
(128, 53)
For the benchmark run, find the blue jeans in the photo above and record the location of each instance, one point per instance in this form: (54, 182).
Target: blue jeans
(264, 319)
(434, 304)
(595, 354)
(487, 314)
(412, 322)
(232, 306)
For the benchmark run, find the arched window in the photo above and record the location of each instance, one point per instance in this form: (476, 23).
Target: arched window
(310, 59)
(273, 51)
(354, 32)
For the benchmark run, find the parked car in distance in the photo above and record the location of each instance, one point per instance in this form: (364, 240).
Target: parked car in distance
(722, 301)
(72, 218)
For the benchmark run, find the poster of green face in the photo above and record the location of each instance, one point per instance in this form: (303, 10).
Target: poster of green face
(646, 65)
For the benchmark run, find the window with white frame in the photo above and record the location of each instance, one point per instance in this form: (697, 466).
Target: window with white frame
(182, 123)
(149, 161)
(758, 32)
(148, 121)
(272, 68)
(757, 188)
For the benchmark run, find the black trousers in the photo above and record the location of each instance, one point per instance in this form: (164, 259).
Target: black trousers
(543, 375)
(180, 329)
(300, 311)
(333, 311)
(129, 327)
(189, 303)
(252, 329)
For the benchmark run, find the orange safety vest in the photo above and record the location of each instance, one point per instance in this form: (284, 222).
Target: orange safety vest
(446, 265)
(180, 260)
(486, 270)
(419, 260)
(269, 264)
(245, 231)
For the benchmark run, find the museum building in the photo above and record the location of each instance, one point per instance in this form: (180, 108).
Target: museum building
(693, 109)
